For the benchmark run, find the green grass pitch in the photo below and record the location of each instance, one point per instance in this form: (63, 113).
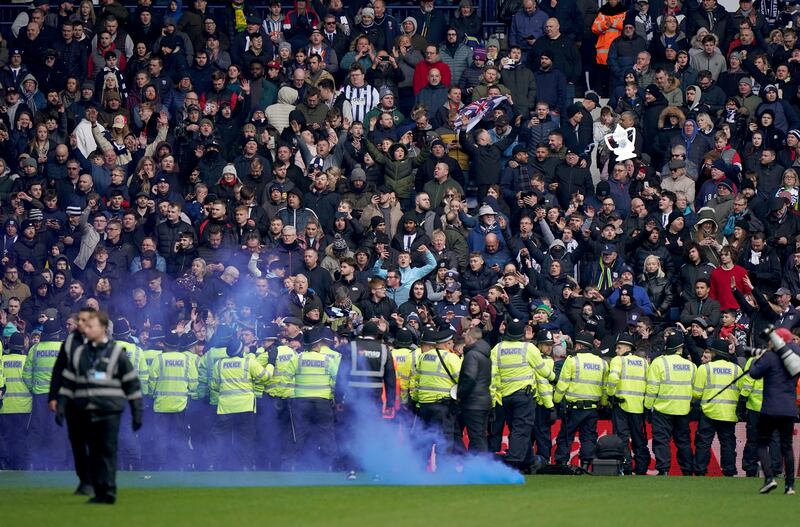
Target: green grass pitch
(177, 500)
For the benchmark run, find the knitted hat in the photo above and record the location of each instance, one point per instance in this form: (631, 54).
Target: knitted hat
(358, 174)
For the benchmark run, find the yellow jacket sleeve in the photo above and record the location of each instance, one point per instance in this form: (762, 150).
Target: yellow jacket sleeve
(564, 380)
(614, 375)
(699, 384)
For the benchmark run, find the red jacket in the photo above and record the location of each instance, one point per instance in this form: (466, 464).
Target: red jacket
(421, 74)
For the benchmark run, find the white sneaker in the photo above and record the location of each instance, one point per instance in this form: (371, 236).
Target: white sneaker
(769, 485)
(789, 491)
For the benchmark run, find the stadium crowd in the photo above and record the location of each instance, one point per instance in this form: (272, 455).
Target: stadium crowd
(253, 174)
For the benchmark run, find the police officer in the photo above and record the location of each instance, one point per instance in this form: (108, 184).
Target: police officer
(751, 397)
(197, 415)
(234, 383)
(313, 375)
(627, 382)
(475, 389)
(266, 412)
(151, 344)
(669, 396)
(718, 414)
(778, 368)
(78, 438)
(580, 384)
(47, 443)
(544, 416)
(367, 373)
(172, 380)
(515, 367)
(405, 355)
(130, 452)
(16, 403)
(434, 382)
(97, 381)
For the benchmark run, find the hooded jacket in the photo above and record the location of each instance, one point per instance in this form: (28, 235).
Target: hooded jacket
(475, 377)
(278, 113)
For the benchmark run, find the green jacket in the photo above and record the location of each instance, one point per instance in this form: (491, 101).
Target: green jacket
(399, 175)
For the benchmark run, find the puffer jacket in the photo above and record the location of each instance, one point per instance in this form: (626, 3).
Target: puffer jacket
(659, 290)
(475, 377)
(399, 175)
(278, 113)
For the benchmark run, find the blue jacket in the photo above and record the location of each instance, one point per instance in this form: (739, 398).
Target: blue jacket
(779, 387)
(408, 276)
(524, 25)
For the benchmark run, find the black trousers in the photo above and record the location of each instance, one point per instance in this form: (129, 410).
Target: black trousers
(100, 438)
(316, 440)
(630, 427)
(726, 432)
(583, 422)
(439, 418)
(172, 454)
(235, 440)
(675, 427)
(520, 408)
(79, 440)
(497, 423)
(542, 434)
(750, 453)
(767, 425)
(476, 422)
(14, 441)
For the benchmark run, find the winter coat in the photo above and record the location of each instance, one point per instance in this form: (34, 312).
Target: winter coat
(475, 377)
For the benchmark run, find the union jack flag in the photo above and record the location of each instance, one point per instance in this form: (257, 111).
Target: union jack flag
(475, 111)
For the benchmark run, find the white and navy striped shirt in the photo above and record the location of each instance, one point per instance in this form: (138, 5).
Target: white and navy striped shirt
(362, 100)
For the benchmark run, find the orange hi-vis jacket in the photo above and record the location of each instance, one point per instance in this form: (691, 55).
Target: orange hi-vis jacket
(607, 28)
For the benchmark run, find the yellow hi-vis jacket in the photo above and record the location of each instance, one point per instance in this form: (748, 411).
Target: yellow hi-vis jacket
(431, 383)
(709, 379)
(234, 383)
(627, 380)
(516, 365)
(669, 385)
(582, 378)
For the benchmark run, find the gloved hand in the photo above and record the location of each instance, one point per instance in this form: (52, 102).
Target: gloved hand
(137, 418)
(272, 355)
(741, 409)
(60, 414)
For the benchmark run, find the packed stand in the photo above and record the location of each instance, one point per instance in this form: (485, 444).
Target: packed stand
(252, 174)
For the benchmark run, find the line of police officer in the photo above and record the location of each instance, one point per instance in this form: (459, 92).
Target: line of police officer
(283, 405)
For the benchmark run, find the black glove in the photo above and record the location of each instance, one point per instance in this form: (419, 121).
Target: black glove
(60, 414)
(136, 411)
(272, 356)
(741, 409)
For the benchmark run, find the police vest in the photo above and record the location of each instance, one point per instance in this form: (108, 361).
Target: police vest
(279, 385)
(431, 382)
(39, 367)
(627, 380)
(669, 385)
(517, 364)
(752, 389)
(404, 367)
(709, 379)
(136, 356)
(173, 376)
(17, 399)
(582, 379)
(205, 371)
(367, 366)
(336, 359)
(234, 381)
(148, 356)
(313, 375)
(544, 388)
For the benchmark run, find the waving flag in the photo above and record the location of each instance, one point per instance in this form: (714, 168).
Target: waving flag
(475, 111)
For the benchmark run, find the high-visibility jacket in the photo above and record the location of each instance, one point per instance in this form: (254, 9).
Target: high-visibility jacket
(336, 360)
(582, 378)
(38, 369)
(516, 366)
(148, 356)
(279, 385)
(627, 380)
(173, 378)
(607, 28)
(544, 387)
(17, 399)
(405, 365)
(136, 356)
(752, 389)
(431, 383)
(233, 382)
(669, 385)
(313, 375)
(205, 371)
(709, 379)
